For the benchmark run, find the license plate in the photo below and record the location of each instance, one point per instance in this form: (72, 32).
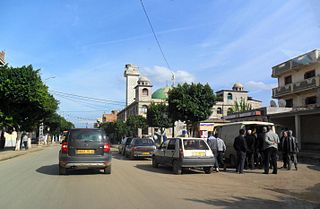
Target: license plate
(85, 151)
(199, 154)
(146, 153)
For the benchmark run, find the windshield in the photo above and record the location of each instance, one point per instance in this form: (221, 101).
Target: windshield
(194, 144)
(86, 135)
(144, 142)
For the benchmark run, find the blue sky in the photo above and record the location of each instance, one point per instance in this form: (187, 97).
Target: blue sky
(85, 44)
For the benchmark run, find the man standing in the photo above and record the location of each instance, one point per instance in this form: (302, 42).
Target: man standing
(270, 146)
(221, 148)
(290, 146)
(241, 149)
(250, 140)
(212, 141)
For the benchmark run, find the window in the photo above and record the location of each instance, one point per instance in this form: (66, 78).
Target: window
(229, 96)
(230, 110)
(144, 109)
(289, 103)
(311, 100)
(145, 92)
(144, 142)
(172, 144)
(219, 110)
(310, 74)
(194, 144)
(287, 79)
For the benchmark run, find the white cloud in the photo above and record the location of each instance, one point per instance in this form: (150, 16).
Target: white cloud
(259, 86)
(161, 75)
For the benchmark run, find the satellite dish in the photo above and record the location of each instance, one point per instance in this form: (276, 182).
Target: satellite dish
(282, 103)
(273, 103)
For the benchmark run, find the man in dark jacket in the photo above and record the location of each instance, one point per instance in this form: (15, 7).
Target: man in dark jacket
(241, 149)
(290, 148)
(250, 141)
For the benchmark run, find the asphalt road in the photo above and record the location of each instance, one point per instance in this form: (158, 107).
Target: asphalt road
(32, 181)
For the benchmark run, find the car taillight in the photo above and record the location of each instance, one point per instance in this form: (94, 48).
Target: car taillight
(106, 148)
(64, 147)
(181, 153)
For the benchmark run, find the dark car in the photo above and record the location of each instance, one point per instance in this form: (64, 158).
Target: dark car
(124, 143)
(85, 148)
(140, 148)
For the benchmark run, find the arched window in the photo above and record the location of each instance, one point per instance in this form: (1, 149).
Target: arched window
(144, 108)
(230, 111)
(145, 92)
(219, 110)
(229, 96)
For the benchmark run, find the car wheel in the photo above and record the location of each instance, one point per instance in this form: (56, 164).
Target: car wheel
(177, 168)
(232, 161)
(155, 164)
(207, 170)
(107, 170)
(63, 171)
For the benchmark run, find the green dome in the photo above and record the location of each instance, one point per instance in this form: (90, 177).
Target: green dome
(161, 93)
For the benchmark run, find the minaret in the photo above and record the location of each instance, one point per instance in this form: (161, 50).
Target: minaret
(131, 74)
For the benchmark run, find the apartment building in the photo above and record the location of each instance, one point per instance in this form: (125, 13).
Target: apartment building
(298, 81)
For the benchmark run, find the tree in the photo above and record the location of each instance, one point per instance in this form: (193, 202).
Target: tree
(25, 100)
(135, 122)
(191, 103)
(241, 106)
(57, 123)
(115, 130)
(158, 116)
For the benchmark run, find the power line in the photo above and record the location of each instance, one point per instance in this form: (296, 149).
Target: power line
(88, 98)
(154, 34)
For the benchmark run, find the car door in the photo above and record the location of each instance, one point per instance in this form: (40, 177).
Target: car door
(161, 152)
(170, 151)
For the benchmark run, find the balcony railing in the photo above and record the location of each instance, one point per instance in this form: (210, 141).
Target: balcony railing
(296, 87)
(296, 63)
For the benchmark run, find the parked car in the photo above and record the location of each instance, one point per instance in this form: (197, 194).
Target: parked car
(140, 148)
(124, 143)
(181, 153)
(85, 148)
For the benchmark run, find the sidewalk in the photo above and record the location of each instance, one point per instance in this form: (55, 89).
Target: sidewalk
(9, 153)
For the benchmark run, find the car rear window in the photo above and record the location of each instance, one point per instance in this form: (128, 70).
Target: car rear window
(144, 142)
(194, 144)
(86, 135)
(128, 141)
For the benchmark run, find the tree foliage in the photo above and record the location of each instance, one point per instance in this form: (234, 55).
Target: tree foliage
(241, 106)
(158, 116)
(191, 103)
(115, 130)
(135, 122)
(24, 97)
(57, 123)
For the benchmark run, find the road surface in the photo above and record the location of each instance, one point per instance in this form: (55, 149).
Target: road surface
(32, 181)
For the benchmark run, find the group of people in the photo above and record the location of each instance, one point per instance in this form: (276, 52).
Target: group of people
(258, 150)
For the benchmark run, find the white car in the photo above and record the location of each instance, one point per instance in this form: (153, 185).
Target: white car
(184, 153)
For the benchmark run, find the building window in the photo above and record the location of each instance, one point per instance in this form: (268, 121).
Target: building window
(229, 96)
(289, 102)
(311, 100)
(144, 108)
(230, 111)
(310, 74)
(219, 110)
(145, 92)
(287, 80)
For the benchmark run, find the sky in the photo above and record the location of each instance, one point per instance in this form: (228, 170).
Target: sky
(82, 46)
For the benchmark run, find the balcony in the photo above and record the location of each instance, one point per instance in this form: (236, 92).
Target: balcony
(296, 87)
(296, 63)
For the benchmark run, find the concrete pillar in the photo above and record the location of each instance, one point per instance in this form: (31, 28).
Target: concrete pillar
(139, 132)
(297, 121)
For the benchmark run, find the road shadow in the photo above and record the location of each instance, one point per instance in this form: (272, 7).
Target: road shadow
(314, 167)
(121, 157)
(254, 202)
(53, 170)
(312, 194)
(166, 169)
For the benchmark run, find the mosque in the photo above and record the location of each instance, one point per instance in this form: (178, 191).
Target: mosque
(139, 96)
